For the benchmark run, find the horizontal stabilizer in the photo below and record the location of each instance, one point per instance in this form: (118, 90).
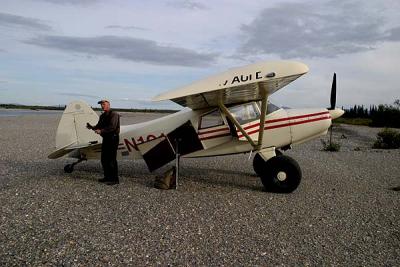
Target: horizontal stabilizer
(67, 149)
(60, 152)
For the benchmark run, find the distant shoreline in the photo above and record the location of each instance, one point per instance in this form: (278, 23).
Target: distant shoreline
(35, 107)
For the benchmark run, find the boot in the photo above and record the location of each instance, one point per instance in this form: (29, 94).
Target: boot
(166, 181)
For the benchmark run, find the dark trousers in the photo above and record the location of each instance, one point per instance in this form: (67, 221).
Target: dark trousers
(109, 149)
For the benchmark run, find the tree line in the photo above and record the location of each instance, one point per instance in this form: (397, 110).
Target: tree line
(380, 116)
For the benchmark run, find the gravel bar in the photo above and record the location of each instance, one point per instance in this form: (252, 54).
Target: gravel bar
(345, 212)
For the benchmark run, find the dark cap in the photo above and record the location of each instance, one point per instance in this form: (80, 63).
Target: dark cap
(103, 100)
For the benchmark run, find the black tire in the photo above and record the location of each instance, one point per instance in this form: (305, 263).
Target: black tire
(69, 168)
(259, 162)
(281, 174)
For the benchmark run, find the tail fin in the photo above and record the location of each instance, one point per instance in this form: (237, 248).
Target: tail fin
(72, 131)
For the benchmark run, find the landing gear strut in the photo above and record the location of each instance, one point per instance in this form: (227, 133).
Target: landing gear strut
(69, 168)
(259, 162)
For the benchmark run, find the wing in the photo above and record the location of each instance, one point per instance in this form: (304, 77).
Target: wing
(237, 85)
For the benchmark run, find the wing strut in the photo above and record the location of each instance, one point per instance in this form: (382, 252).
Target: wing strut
(262, 119)
(237, 124)
(256, 145)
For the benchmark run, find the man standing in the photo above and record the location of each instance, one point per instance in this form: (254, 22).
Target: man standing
(108, 128)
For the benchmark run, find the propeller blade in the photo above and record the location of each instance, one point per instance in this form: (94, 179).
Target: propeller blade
(333, 92)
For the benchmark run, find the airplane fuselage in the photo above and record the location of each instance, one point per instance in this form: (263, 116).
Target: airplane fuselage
(283, 128)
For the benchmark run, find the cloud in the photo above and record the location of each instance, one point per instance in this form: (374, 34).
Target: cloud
(73, 2)
(9, 20)
(187, 4)
(133, 49)
(394, 34)
(79, 95)
(315, 29)
(144, 103)
(126, 27)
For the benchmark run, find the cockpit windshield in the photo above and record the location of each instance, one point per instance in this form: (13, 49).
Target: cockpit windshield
(271, 107)
(245, 113)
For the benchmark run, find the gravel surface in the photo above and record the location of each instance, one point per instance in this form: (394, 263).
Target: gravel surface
(345, 212)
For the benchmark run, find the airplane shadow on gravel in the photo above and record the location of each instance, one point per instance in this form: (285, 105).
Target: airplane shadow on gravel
(217, 177)
(139, 174)
(207, 176)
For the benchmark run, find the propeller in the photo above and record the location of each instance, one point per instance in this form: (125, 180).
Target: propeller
(333, 111)
(333, 93)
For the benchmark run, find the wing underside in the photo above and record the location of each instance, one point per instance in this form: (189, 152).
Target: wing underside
(249, 83)
(233, 95)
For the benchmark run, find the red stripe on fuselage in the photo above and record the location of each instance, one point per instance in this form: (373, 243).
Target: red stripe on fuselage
(288, 124)
(285, 119)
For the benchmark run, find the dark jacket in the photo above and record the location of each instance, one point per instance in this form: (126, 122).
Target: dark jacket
(108, 124)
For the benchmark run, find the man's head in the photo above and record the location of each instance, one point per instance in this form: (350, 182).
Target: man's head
(105, 105)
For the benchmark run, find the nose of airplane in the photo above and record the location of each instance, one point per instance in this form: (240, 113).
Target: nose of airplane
(336, 113)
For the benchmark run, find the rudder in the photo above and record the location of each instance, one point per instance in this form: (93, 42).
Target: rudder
(72, 126)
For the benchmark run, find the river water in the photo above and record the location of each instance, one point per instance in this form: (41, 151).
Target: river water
(25, 112)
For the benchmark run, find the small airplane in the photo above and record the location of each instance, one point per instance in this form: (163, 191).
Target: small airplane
(225, 114)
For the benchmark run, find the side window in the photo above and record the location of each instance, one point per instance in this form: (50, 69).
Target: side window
(211, 119)
(245, 113)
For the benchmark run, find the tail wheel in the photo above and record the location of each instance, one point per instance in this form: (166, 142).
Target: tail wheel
(281, 174)
(259, 162)
(69, 168)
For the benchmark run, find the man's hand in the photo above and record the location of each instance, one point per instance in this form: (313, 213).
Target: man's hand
(90, 127)
(98, 131)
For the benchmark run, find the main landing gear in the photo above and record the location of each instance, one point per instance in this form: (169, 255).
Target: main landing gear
(280, 173)
(69, 168)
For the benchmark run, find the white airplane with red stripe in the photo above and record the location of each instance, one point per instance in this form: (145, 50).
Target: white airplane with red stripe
(224, 114)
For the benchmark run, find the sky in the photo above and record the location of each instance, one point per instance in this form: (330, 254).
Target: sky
(56, 51)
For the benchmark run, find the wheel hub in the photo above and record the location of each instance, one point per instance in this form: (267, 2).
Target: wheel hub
(281, 176)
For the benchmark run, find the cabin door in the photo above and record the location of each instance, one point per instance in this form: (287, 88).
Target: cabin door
(213, 129)
(158, 152)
